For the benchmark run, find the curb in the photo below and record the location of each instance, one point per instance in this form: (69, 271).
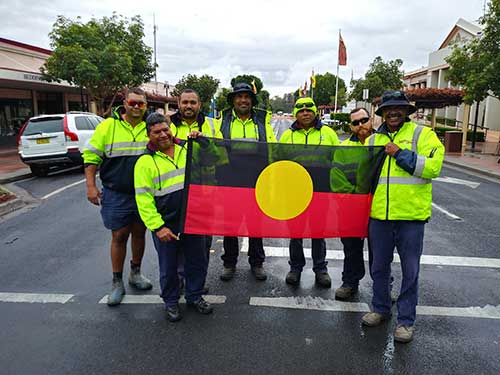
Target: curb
(11, 206)
(481, 171)
(15, 176)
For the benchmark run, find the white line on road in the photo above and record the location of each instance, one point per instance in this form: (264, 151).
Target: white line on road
(62, 189)
(153, 299)
(433, 260)
(447, 213)
(317, 303)
(35, 298)
(457, 181)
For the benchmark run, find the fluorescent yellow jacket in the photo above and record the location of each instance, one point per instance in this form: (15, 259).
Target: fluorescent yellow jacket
(210, 127)
(158, 182)
(404, 190)
(115, 146)
(256, 128)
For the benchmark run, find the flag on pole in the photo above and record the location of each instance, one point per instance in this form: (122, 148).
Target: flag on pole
(342, 51)
(254, 87)
(301, 94)
(305, 87)
(278, 190)
(313, 80)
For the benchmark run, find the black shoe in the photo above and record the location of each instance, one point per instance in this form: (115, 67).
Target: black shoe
(259, 273)
(202, 306)
(323, 280)
(228, 273)
(293, 278)
(173, 313)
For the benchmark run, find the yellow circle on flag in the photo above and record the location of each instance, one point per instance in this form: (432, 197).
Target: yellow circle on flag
(284, 190)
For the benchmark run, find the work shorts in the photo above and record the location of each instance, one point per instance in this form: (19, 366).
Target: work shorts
(118, 209)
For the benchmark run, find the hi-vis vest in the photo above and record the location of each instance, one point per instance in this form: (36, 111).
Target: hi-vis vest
(399, 194)
(158, 182)
(116, 146)
(210, 127)
(256, 128)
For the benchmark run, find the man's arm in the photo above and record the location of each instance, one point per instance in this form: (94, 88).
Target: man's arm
(93, 193)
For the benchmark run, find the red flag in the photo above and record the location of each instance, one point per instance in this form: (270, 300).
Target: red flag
(280, 190)
(305, 86)
(342, 51)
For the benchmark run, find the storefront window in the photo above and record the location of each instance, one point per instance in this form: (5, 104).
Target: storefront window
(13, 114)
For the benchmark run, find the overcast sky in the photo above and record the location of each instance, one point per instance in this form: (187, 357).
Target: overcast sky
(279, 41)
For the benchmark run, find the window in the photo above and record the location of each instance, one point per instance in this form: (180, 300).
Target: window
(44, 125)
(83, 123)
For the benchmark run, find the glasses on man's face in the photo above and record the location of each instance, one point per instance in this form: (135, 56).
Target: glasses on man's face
(133, 103)
(304, 105)
(363, 120)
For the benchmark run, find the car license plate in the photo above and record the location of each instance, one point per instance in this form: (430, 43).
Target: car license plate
(42, 141)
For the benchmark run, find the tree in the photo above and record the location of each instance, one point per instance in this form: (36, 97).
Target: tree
(103, 56)
(474, 65)
(324, 93)
(206, 86)
(381, 76)
(221, 100)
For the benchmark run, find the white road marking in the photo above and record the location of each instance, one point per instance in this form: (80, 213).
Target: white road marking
(62, 189)
(317, 303)
(447, 213)
(35, 298)
(457, 181)
(433, 260)
(154, 299)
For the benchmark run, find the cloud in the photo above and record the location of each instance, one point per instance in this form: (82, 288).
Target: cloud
(281, 42)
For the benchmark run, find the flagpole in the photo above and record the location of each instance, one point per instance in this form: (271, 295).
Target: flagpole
(337, 80)
(312, 88)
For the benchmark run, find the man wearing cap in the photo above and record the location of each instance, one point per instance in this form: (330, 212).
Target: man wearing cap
(308, 130)
(242, 121)
(354, 266)
(401, 206)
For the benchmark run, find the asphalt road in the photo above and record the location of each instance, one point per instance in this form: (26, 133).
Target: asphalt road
(60, 247)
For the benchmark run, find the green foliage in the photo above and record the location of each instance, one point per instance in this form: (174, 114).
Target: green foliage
(474, 65)
(221, 99)
(284, 103)
(103, 56)
(206, 86)
(342, 117)
(262, 95)
(443, 120)
(381, 76)
(324, 93)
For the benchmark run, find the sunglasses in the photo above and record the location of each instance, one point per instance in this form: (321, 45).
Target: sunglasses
(304, 105)
(133, 103)
(364, 120)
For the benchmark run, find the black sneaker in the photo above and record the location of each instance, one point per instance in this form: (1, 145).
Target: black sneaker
(228, 273)
(323, 280)
(202, 306)
(259, 273)
(293, 278)
(173, 313)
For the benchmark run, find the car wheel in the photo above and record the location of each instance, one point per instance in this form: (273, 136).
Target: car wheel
(39, 171)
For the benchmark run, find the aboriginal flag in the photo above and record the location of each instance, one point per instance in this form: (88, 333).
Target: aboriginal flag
(256, 189)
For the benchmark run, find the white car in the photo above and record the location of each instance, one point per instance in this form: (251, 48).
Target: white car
(55, 140)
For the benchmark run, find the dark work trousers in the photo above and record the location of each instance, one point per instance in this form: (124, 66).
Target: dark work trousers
(208, 244)
(256, 255)
(318, 253)
(407, 237)
(354, 265)
(191, 248)
(180, 265)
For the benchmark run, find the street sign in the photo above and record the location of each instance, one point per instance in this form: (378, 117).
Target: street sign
(365, 94)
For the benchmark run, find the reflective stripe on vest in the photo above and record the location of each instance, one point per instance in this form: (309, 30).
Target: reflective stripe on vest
(162, 192)
(211, 122)
(171, 174)
(95, 150)
(119, 153)
(410, 180)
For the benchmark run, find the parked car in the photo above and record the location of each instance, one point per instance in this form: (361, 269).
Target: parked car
(55, 140)
(327, 120)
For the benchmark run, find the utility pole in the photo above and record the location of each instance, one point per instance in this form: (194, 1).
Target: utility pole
(154, 36)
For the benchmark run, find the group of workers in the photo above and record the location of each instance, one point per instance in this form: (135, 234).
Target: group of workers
(142, 165)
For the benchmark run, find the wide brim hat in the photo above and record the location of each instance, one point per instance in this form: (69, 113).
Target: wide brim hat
(395, 98)
(241, 88)
(304, 103)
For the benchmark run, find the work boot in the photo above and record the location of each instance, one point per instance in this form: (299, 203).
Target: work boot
(345, 292)
(138, 281)
(117, 292)
(259, 273)
(228, 273)
(173, 313)
(373, 319)
(202, 306)
(403, 333)
(293, 278)
(323, 280)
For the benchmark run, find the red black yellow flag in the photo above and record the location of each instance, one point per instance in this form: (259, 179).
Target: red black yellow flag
(254, 189)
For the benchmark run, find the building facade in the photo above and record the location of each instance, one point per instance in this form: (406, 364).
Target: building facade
(435, 76)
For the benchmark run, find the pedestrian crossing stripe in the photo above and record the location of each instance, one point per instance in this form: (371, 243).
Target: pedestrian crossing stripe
(154, 299)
